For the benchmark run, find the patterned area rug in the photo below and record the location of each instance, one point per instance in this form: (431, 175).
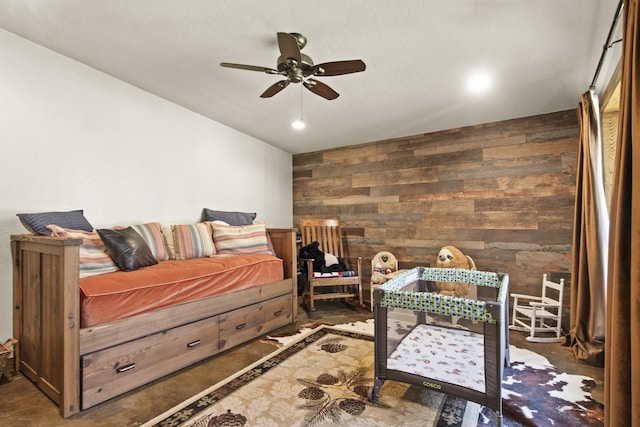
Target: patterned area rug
(319, 378)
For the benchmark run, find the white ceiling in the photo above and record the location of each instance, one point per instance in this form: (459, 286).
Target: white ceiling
(541, 54)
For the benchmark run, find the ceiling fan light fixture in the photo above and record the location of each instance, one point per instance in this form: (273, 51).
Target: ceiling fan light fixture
(479, 82)
(298, 124)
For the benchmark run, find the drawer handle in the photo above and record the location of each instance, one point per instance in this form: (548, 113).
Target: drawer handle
(277, 313)
(193, 343)
(240, 326)
(125, 368)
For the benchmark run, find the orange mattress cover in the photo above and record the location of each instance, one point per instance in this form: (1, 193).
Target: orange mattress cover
(117, 295)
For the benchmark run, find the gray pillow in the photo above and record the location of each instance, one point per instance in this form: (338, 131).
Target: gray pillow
(231, 218)
(37, 223)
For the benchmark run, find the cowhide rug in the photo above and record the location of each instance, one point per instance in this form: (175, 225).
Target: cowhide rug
(534, 392)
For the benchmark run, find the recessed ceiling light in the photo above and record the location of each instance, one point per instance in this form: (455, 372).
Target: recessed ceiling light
(479, 82)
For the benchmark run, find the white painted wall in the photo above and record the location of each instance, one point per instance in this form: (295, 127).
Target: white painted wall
(74, 138)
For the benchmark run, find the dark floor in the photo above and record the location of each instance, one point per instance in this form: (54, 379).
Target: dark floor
(22, 404)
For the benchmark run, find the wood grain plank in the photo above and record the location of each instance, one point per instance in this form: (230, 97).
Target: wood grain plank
(500, 191)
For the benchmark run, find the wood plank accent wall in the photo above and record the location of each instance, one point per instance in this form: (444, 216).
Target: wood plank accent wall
(501, 192)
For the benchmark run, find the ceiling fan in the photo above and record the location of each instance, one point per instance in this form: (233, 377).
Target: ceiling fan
(297, 67)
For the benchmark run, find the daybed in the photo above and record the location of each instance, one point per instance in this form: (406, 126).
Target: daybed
(417, 342)
(80, 357)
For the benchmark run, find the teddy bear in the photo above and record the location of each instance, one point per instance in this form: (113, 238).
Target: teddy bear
(452, 257)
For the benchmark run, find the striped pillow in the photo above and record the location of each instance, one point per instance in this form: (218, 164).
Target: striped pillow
(153, 237)
(168, 239)
(243, 239)
(93, 257)
(192, 241)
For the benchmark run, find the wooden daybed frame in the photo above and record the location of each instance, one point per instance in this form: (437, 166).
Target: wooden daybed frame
(81, 367)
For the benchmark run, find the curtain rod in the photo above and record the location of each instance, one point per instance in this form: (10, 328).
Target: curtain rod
(607, 45)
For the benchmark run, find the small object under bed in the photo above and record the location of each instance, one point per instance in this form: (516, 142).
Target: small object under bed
(453, 345)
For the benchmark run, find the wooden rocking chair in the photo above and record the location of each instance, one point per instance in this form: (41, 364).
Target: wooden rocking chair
(328, 233)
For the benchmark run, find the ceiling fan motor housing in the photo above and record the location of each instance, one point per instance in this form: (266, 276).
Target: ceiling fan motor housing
(295, 71)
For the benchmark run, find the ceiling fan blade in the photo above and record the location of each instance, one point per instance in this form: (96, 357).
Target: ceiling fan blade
(337, 68)
(249, 67)
(289, 46)
(274, 88)
(321, 89)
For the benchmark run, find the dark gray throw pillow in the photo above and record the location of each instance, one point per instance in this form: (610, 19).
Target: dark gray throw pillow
(37, 223)
(127, 248)
(231, 218)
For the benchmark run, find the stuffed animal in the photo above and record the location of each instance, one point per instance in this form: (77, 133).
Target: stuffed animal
(322, 262)
(332, 263)
(383, 265)
(312, 251)
(330, 259)
(381, 272)
(377, 274)
(452, 257)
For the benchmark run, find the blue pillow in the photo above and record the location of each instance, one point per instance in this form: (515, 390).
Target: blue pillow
(231, 218)
(37, 223)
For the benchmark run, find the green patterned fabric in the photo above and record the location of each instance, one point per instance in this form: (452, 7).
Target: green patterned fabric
(429, 302)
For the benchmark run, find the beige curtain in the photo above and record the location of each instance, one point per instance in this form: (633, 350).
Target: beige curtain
(590, 240)
(622, 366)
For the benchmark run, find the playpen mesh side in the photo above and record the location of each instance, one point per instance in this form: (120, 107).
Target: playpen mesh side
(429, 302)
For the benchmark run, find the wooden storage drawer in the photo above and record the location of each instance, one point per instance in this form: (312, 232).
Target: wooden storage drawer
(113, 371)
(277, 312)
(249, 322)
